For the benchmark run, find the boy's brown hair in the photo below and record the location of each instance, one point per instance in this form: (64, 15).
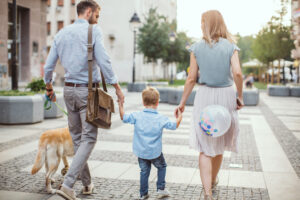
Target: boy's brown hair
(150, 96)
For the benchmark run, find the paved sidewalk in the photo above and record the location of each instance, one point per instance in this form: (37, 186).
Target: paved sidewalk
(266, 167)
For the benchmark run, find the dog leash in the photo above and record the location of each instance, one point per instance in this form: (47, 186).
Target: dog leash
(48, 104)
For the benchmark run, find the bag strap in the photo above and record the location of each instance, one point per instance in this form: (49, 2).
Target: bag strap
(90, 60)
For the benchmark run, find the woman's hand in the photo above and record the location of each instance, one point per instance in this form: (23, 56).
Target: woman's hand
(181, 108)
(240, 103)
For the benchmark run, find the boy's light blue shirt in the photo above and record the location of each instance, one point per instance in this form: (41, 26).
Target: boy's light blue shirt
(148, 127)
(70, 46)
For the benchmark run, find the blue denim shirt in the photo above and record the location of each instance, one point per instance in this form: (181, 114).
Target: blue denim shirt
(70, 46)
(148, 127)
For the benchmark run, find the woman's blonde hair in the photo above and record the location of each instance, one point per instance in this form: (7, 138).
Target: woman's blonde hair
(214, 27)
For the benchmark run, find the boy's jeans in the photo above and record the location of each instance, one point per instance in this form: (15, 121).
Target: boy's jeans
(145, 166)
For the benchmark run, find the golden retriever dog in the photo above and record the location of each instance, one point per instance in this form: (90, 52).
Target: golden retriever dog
(54, 145)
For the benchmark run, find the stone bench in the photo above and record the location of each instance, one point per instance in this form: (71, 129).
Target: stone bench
(21, 109)
(295, 91)
(54, 111)
(175, 94)
(163, 94)
(251, 97)
(278, 90)
(136, 87)
(140, 86)
(157, 84)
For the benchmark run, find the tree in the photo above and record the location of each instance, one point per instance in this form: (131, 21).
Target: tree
(153, 38)
(245, 43)
(176, 50)
(274, 41)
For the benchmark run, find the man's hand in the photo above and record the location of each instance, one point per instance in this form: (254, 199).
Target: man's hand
(121, 110)
(119, 93)
(50, 92)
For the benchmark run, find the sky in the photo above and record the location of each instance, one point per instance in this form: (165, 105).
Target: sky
(245, 17)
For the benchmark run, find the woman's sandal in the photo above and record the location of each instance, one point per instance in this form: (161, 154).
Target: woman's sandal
(208, 197)
(214, 185)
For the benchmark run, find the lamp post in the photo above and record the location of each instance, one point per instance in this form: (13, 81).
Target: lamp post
(135, 23)
(14, 67)
(172, 38)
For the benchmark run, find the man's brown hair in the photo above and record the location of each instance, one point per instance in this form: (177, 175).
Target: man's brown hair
(150, 96)
(85, 4)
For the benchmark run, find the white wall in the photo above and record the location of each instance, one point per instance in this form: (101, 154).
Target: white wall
(114, 20)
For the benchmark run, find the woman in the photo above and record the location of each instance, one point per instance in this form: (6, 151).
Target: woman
(216, 57)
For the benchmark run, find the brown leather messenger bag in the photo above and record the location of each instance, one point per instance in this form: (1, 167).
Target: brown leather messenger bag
(100, 104)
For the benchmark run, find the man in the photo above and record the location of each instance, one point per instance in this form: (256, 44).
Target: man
(70, 46)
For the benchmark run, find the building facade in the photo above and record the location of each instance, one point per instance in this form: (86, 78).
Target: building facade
(118, 36)
(31, 40)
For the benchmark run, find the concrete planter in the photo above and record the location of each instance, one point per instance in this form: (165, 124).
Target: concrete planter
(156, 84)
(251, 97)
(163, 94)
(175, 94)
(295, 91)
(54, 111)
(136, 87)
(21, 109)
(278, 90)
(191, 98)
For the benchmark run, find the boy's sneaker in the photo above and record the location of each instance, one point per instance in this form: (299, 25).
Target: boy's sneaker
(144, 197)
(163, 193)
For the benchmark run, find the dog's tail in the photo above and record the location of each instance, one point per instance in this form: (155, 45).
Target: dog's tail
(40, 157)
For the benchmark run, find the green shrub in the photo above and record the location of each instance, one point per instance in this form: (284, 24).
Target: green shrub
(16, 93)
(36, 85)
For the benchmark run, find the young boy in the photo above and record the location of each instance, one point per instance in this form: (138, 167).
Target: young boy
(147, 140)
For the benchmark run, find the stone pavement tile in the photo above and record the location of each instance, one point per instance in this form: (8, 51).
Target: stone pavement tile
(13, 195)
(111, 170)
(11, 133)
(273, 158)
(19, 150)
(297, 134)
(133, 173)
(238, 178)
(282, 186)
(289, 144)
(223, 177)
(56, 197)
(179, 174)
(92, 165)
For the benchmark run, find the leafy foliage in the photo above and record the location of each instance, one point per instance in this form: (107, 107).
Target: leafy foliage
(153, 37)
(154, 42)
(274, 41)
(36, 85)
(245, 44)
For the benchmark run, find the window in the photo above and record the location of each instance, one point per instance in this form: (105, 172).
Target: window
(73, 2)
(49, 3)
(60, 25)
(48, 28)
(60, 2)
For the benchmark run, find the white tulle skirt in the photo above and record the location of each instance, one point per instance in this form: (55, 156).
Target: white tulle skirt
(212, 146)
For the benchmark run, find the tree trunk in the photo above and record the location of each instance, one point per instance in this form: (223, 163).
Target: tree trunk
(153, 71)
(272, 77)
(278, 74)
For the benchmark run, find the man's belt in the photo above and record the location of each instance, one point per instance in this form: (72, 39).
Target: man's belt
(81, 84)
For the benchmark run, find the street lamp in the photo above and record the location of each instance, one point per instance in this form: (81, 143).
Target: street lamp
(134, 23)
(172, 38)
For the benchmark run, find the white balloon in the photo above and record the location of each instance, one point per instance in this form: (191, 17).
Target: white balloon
(215, 120)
